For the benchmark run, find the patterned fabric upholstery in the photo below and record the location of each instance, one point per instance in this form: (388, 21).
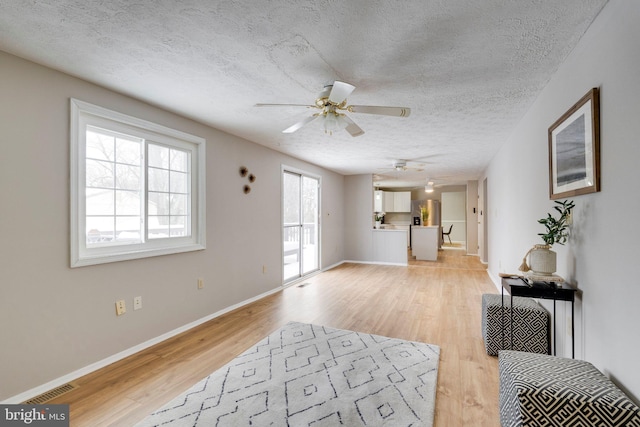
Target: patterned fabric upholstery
(543, 390)
(530, 325)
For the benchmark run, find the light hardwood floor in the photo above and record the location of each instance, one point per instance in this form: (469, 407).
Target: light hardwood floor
(434, 302)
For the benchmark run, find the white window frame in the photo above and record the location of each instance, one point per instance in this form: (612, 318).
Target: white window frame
(84, 114)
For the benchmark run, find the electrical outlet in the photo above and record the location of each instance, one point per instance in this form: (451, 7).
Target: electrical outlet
(264, 269)
(137, 303)
(121, 308)
(200, 283)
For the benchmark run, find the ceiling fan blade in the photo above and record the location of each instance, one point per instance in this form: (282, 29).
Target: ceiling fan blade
(352, 128)
(340, 91)
(424, 158)
(285, 105)
(384, 111)
(300, 124)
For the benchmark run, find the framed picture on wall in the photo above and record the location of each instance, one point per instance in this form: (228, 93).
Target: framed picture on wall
(574, 149)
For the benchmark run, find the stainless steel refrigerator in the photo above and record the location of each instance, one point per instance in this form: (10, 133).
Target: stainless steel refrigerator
(434, 211)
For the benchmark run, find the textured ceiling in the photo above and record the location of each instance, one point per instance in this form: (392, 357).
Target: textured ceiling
(468, 70)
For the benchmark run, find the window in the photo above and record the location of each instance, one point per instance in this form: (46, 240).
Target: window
(137, 188)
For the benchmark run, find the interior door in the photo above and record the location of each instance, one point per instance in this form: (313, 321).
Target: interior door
(300, 225)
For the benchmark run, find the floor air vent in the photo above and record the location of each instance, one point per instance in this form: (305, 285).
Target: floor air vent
(51, 394)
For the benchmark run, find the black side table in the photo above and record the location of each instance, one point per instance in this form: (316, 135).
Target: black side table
(517, 286)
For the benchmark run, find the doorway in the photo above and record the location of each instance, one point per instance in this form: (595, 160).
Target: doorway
(300, 224)
(454, 219)
(484, 222)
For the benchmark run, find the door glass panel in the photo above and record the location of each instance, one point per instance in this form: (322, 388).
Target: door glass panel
(291, 252)
(309, 224)
(291, 199)
(300, 225)
(291, 226)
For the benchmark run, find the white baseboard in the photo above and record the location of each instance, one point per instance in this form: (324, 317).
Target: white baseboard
(379, 263)
(36, 391)
(302, 279)
(497, 282)
(334, 265)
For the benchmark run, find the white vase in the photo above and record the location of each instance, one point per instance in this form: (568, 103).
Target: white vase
(542, 260)
(377, 224)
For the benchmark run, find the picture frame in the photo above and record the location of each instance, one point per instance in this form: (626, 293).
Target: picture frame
(574, 149)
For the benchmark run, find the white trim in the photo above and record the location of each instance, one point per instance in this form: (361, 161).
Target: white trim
(337, 264)
(378, 263)
(296, 171)
(36, 391)
(111, 115)
(301, 279)
(292, 169)
(84, 114)
(497, 282)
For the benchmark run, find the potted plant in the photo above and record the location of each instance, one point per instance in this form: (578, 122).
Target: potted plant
(557, 229)
(378, 216)
(424, 214)
(542, 260)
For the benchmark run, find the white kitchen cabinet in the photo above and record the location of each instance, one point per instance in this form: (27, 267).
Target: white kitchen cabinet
(396, 201)
(402, 201)
(391, 201)
(378, 196)
(388, 201)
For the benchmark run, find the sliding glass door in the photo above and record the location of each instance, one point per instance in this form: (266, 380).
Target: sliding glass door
(300, 224)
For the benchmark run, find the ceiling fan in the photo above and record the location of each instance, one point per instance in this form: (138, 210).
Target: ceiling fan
(400, 165)
(418, 164)
(331, 102)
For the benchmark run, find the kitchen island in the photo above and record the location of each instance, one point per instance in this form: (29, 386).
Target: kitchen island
(425, 242)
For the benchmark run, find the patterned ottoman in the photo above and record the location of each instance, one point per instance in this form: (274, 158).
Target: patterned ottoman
(530, 325)
(542, 390)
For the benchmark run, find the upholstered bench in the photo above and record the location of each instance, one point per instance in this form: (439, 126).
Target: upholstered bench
(530, 325)
(543, 390)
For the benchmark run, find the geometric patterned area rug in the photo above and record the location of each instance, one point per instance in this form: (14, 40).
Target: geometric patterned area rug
(308, 375)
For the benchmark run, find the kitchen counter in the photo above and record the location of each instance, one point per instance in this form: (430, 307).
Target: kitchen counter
(397, 227)
(389, 246)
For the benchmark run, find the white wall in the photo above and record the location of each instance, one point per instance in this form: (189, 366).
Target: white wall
(358, 202)
(454, 212)
(602, 254)
(56, 320)
(473, 228)
(483, 224)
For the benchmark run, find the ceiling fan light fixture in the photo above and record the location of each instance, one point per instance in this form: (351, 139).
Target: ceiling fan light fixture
(400, 165)
(429, 187)
(333, 122)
